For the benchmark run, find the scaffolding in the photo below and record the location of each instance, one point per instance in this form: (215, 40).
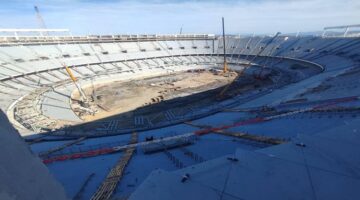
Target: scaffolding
(111, 181)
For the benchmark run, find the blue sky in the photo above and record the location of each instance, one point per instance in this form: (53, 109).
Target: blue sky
(162, 17)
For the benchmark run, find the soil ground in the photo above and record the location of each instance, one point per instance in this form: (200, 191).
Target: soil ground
(119, 97)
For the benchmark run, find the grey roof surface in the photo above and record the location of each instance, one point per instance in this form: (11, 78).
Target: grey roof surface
(325, 168)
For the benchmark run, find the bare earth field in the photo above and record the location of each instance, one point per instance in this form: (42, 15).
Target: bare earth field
(120, 97)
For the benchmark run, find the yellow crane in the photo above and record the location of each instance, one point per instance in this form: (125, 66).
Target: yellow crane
(83, 97)
(248, 64)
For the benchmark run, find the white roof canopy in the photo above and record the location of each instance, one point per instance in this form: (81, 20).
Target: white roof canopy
(12, 30)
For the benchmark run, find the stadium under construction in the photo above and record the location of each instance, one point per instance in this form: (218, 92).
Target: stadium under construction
(187, 116)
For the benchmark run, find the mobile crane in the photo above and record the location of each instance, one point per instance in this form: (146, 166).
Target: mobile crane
(83, 99)
(248, 64)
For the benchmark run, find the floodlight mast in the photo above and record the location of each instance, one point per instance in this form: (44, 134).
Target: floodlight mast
(224, 46)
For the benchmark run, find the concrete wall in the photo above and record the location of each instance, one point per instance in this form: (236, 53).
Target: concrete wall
(22, 174)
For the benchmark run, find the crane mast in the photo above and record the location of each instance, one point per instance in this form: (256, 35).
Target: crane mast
(223, 32)
(221, 94)
(40, 19)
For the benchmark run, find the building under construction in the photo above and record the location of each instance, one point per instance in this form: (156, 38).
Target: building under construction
(180, 116)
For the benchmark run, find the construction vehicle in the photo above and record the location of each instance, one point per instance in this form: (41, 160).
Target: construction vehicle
(83, 99)
(40, 19)
(220, 96)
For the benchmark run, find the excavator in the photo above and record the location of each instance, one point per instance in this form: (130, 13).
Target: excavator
(221, 95)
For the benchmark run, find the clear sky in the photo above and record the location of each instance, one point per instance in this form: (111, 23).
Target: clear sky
(167, 16)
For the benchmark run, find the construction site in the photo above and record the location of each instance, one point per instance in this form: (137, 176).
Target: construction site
(182, 116)
(117, 97)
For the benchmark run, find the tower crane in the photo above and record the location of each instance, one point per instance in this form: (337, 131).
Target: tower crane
(248, 64)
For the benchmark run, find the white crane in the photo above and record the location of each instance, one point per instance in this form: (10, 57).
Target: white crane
(40, 19)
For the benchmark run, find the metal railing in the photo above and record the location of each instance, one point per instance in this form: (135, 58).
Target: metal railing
(11, 40)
